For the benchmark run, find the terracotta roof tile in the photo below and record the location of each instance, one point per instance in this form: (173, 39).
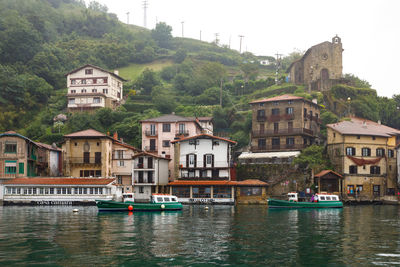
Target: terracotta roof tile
(202, 183)
(252, 182)
(169, 118)
(278, 98)
(143, 153)
(87, 133)
(324, 172)
(359, 126)
(60, 181)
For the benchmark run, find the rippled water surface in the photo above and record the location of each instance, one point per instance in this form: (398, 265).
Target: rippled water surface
(221, 235)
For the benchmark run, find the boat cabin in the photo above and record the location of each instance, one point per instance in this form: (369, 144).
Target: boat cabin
(128, 197)
(327, 197)
(292, 196)
(163, 198)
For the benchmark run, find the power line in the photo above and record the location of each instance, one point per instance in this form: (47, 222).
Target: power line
(145, 6)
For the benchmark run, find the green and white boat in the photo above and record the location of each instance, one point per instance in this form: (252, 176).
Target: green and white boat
(321, 201)
(158, 202)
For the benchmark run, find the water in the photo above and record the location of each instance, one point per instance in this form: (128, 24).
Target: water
(222, 235)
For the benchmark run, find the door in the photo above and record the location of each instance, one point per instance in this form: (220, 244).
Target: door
(97, 157)
(152, 129)
(152, 144)
(377, 190)
(86, 157)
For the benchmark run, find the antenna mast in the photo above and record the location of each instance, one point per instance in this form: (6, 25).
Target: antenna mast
(240, 49)
(145, 5)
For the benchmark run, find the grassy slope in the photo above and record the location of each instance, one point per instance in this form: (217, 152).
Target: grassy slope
(133, 71)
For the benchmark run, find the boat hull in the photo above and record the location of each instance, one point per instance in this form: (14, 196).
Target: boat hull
(108, 205)
(276, 203)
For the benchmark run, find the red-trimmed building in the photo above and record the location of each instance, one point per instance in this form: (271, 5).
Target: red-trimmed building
(202, 168)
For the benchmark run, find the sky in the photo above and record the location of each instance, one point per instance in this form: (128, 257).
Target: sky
(370, 30)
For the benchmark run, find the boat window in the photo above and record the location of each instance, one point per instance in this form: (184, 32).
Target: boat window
(334, 198)
(166, 199)
(159, 199)
(328, 198)
(322, 198)
(173, 199)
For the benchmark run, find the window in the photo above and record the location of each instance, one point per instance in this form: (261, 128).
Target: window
(83, 81)
(121, 163)
(262, 144)
(94, 90)
(10, 148)
(166, 127)
(119, 179)
(201, 192)
(83, 91)
(350, 151)
(250, 191)
(21, 168)
(191, 159)
(11, 170)
(275, 103)
(290, 102)
(275, 111)
(289, 110)
(88, 71)
(380, 152)
(96, 100)
(71, 100)
(94, 80)
(366, 152)
(194, 142)
(73, 91)
(165, 143)
(353, 169)
(373, 137)
(390, 153)
(358, 137)
(276, 141)
(276, 126)
(181, 128)
(181, 191)
(305, 112)
(222, 192)
(290, 141)
(260, 114)
(375, 170)
(141, 189)
(209, 159)
(105, 91)
(119, 154)
(105, 80)
(73, 81)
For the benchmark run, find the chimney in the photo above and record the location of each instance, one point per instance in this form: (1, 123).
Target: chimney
(116, 72)
(115, 136)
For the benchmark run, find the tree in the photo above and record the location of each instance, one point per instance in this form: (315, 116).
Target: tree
(313, 158)
(162, 35)
(250, 71)
(180, 55)
(146, 81)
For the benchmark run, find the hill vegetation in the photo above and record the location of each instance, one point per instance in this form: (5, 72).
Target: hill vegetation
(41, 40)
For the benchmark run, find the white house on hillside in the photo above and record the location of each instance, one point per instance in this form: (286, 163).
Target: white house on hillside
(91, 87)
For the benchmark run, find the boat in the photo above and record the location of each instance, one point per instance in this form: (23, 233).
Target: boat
(158, 202)
(321, 201)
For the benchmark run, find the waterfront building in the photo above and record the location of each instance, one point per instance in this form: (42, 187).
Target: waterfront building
(329, 181)
(91, 87)
(284, 123)
(22, 157)
(87, 153)
(157, 134)
(149, 175)
(203, 169)
(363, 152)
(57, 191)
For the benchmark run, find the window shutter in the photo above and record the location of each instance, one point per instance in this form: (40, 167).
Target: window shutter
(195, 160)
(212, 160)
(204, 160)
(187, 160)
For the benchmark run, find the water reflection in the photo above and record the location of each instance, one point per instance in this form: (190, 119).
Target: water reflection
(242, 235)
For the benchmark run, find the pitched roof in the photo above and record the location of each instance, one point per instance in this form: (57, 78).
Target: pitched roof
(359, 126)
(96, 67)
(87, 133)
(285, 97)
(204, 182)
(15, 134)
(325, 172)
(203, 136)
(149, 154)
(59, 181)
(49, 147)
(169, 118)
(118, 142)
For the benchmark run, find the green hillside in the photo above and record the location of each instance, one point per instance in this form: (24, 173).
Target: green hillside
(42, 40)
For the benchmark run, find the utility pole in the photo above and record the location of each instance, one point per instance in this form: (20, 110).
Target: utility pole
(220, 94)
(240, 49)
(200, 35)
(182, 27)
(127, 17)
(145, 5)
(277, 67)
(216, 38)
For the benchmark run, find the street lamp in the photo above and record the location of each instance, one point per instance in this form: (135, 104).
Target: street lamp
(348, 106)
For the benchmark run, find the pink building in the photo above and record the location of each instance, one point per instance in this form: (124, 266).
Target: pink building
(157, 134)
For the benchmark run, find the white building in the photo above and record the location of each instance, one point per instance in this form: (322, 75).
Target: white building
(202, 170)
(149, 175)
(91, 87)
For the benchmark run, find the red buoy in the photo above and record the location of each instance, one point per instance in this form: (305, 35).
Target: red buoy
(130, 208)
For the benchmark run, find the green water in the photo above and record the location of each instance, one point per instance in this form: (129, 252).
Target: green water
(221, 235)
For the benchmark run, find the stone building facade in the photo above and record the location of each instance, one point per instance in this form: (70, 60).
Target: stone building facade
(284, 123)
(364, 152)
(320, 67)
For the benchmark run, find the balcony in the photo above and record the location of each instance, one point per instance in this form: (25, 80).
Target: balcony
(143, 166)
(83, 160)
(261, 118)
(200, 165)
(139, 180)
(288, 131)
(283, 147)
(150, 148)
(186, 176)
(150, 133)
(182, 132)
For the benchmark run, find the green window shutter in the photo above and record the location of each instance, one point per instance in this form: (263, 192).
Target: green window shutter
(21, 168)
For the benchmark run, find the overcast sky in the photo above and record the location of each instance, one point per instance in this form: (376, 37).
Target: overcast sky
(370, 30)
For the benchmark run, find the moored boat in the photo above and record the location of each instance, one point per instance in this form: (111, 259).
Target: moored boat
(320, 201)
(158, 202)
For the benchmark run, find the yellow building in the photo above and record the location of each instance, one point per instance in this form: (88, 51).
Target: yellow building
(363, 152)
(87, 153)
